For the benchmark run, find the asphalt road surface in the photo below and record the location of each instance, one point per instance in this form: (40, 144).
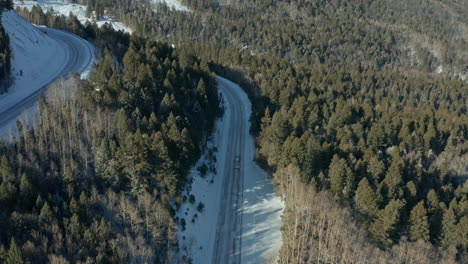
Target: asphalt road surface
(228, 243)
(80, 56)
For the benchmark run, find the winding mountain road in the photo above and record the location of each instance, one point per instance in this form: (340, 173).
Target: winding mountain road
(80, 57)
(228, 243)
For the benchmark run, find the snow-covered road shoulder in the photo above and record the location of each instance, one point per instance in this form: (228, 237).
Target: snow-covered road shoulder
(261, 207)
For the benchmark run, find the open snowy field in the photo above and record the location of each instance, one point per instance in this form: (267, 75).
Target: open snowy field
(62, 7)
(261, 208)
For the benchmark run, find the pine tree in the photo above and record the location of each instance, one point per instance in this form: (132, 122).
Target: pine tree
(462, 232)
(15, 256)
(3, 254)
(384, 228)
(449, 228)
(341, 177)
(419, 228)
(376, 137)
(266, 120)
(393, 179)
(202, 93)
(366, 198)
(376, 168)
(46, 212)
(89, 11)
(26, 190)
(435, 214)
(135, 161)
(74, 209)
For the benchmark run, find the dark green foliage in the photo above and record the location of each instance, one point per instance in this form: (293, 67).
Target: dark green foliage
(341, 177)
(344, 90)
(419, 228)
(6, 5)
(94, 180)
(385, 227)
(14, 255)
(200, 207)
(366, 199)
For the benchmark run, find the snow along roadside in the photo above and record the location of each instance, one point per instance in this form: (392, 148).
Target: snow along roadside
(261, 208)
(39, 56)
(36, 58)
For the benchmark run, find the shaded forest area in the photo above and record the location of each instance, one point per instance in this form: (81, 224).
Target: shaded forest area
(96, 179)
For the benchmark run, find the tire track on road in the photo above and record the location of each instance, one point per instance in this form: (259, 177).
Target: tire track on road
(228, 245)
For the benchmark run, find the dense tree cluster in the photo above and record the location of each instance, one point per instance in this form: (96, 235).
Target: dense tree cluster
(347, 112)
(6, 5)
(375, 34)
(96, 179)
(318, 230)
(391, 145)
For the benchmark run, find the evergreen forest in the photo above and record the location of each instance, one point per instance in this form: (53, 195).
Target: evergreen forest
(359, 115)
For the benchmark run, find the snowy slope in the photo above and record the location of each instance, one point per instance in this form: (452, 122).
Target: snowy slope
(177, 5)
(62, 7)
(36, 58)
(261, 207)
(39, 56)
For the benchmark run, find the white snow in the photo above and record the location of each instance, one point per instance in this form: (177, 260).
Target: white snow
(261, 208)
(171, 3)
(62, 7)
(36, 58)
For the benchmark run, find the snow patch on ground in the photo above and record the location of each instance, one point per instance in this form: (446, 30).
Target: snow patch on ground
(36, 58)
(173, 4)
(62, 7)
(261, 208)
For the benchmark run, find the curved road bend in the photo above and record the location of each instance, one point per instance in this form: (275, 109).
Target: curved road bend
(228, 242)
(80, 57)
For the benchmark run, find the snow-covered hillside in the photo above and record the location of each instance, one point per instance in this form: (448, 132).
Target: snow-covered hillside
(36, 58)
(177, 5)
(39, 56)
(62, 7)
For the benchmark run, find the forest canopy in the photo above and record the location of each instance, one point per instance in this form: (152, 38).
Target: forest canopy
(359, 111)
(96, 178)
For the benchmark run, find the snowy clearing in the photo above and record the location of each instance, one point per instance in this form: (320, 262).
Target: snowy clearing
(261, 208)
(170, 3)
(62, 7)
(39, 56)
